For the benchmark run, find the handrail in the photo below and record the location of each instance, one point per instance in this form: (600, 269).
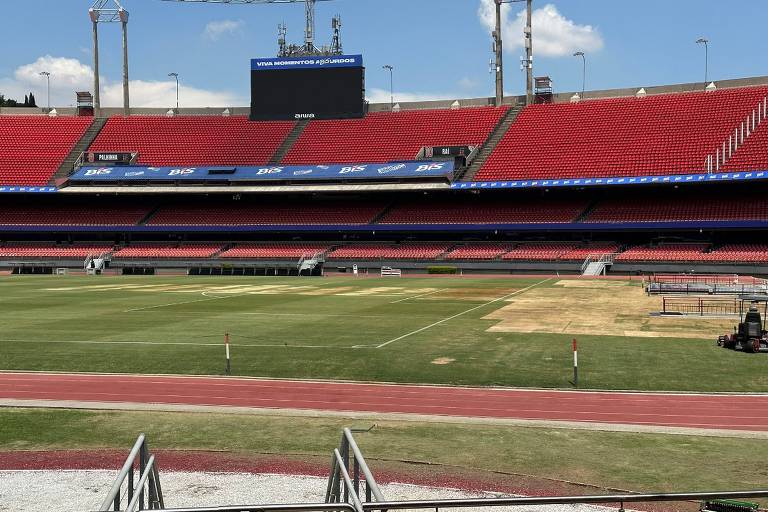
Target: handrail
(737, 137)
(148, 470)
(369, 479)
(114, 492)
(347, 482)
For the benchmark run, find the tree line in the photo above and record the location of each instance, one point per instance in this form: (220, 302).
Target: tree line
(29, 101)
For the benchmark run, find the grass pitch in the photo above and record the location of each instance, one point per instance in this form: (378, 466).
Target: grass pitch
(471, 331)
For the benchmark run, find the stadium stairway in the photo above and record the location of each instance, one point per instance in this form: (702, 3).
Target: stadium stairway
(149, 216)
(68, 165)
(490, 143)
(289, 141)
(584, 215)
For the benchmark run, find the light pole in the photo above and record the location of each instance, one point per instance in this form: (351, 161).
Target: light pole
(705, 42)
(583, 71)
(391, 86)
(47, 76)
(176, 76)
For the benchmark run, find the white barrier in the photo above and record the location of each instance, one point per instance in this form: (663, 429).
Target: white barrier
(391, 272)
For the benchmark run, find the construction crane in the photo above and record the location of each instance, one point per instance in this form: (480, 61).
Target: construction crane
(309, 47)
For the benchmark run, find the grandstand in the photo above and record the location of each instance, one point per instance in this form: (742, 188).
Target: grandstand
(624, 178)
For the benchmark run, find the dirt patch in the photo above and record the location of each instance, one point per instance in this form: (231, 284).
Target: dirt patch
(443, 360)
(470, 294)
(603, 309)
(591, 283)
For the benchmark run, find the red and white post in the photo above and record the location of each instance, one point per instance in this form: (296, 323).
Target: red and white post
(575, 364)
(226, 349)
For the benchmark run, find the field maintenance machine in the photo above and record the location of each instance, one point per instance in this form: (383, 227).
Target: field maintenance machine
(750, 335)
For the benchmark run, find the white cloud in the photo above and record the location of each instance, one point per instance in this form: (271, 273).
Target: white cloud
(553, 34)
(163, 94)
(375, 95)
(468, 83)
(71, 75)
(216, 29)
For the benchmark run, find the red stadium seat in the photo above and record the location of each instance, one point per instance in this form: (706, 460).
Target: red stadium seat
(404, 251)
(655, 135)
(387, 136)
(168, 251)
(275, 250)
(33, 147)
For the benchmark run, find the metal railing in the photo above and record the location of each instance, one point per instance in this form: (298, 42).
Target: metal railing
(341, 485)
(735, 140)
(149, 481)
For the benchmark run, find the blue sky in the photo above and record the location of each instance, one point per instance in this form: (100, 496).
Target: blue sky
(439, 48)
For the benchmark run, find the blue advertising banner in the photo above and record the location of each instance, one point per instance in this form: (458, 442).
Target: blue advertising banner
(417, 169)
(15, 189)
(333, 61)
(622, 180)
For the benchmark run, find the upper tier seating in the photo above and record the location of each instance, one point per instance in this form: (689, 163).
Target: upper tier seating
(307, 212)
(547, 251)
(194, 141)
(52, 251)
(33, 147)
(655, 135)
(388, 136)
(665, 252)
(481, 210)
(478, 251)
(86, 215)
(753, 155)
(404, 251)
(166, 251)
(275, 250)
(701, 207)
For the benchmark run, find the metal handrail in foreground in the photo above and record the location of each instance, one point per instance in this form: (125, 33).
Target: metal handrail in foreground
(148, 474)
(484, 502)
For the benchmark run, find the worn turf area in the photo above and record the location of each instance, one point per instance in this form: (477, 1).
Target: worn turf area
(636, 462)
(427, 330)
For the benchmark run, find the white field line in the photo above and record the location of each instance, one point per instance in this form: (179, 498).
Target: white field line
(184, 302)
(518, 292)
(415, 296)
(184, 343)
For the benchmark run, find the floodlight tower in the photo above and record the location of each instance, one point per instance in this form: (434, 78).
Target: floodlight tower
(309, 10)
(100, 13)
(527, 62)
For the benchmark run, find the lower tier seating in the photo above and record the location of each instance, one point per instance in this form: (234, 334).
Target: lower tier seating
(405, 251)
(480, 210)
(544, 251)
(275, 250)
(671, 208)
(664, 252)
(168, 251)
(52, 251)
(71, 215)
(478, 251)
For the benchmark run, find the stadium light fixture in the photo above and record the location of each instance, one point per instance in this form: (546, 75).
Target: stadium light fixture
(705, 42)
(391, 86)
(47, 76)
(583, 71)
(176, 76)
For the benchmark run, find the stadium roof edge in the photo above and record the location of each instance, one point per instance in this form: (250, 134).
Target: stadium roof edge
(562, 97)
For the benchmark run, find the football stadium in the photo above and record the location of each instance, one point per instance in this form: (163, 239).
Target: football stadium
(335, 299)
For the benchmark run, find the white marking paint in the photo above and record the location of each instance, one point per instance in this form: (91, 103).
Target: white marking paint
(518, 292)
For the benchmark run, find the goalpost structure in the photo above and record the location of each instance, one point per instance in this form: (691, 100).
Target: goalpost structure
(61, 271)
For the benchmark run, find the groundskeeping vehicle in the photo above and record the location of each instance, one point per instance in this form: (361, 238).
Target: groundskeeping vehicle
(750, 335)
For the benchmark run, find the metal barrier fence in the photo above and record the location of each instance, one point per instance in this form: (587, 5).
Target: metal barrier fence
(149, 481)
(699, 306)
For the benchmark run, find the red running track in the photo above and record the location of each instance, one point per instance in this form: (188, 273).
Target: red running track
(732, 412)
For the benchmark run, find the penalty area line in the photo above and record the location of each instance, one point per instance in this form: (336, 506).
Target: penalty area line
(518, 292)
(185, 343)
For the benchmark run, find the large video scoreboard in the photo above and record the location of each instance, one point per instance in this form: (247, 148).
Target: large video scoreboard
(307, 88)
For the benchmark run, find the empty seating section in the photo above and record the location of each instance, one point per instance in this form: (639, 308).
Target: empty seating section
(52, 251)
(194, 141)
(547, 251)
(478, 251)
(404, 251)
(665, 252)
(664, 134)
(309, 212)
(168, 251)
(275, 250)
(387, 136)
(753, 155)
(590, 249)
(71, 215)
(33, 147)
(702, 207)
(739, 253)
(484, 211)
